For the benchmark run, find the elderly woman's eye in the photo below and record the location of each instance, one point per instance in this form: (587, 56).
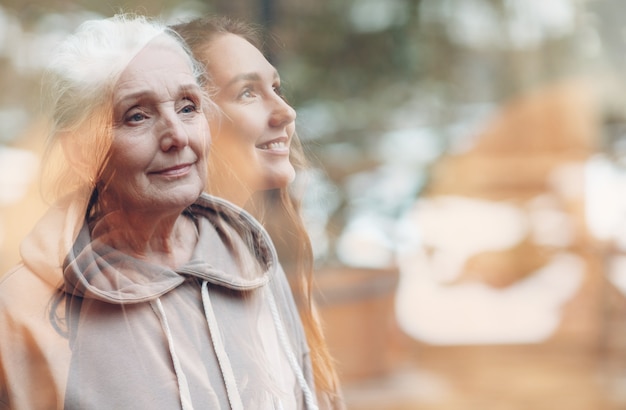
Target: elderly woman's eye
(136, 117)
(189, 108)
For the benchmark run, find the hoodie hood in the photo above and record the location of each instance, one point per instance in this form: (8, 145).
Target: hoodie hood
(45, 248)
(242, 256)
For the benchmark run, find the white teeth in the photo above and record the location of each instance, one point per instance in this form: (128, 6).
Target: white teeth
(274, 145)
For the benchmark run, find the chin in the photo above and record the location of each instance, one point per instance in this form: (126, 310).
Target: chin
(282, 180)
(185, 196)
(274, 177)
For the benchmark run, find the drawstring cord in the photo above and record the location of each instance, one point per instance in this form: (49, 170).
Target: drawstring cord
(291, 357)
(282, 335)
(222, 358)
(183, 388)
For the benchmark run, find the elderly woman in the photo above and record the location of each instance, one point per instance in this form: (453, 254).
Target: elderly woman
(254, 158)
(137, 291)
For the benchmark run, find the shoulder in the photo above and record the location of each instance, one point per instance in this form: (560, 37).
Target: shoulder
(26, 301)
(32, 352)
(22, 278)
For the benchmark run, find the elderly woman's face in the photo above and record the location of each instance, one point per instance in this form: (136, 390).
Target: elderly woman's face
(253, 135)
(160, 134)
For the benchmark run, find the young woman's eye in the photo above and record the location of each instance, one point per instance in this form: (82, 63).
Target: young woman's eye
(247, 93)
(278, 90)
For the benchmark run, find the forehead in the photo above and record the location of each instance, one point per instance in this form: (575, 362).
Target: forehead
(229, 55)
(156, 66)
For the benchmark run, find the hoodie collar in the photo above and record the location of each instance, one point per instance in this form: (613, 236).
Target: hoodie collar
(233, 251)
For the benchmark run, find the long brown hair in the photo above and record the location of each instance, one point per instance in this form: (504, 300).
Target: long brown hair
(278, 210)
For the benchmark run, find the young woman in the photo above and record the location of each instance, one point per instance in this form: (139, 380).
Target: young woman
(136, 290)
(254, 157)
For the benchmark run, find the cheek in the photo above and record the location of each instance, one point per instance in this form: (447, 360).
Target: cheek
(127, 159)
(241, 127)
(233, 140)
(200, 139)
(226, 151)
(117, 162)
(129, 148)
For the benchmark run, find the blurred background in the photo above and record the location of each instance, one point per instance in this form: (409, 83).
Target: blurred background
(467, 193)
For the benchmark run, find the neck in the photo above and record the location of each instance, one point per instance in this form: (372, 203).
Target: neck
(166, 240)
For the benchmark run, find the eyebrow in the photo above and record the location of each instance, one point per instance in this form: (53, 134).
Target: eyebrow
(183, 89)
(250, 77)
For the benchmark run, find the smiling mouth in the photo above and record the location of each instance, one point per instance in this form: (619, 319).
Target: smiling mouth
(274, 145)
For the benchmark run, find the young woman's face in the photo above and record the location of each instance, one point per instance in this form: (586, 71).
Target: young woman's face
(253, 134)
(160, 133)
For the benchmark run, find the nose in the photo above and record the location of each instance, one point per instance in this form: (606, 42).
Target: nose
(172, 134)
(282, 113)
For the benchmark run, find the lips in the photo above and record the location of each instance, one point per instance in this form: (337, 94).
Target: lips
(176, 170)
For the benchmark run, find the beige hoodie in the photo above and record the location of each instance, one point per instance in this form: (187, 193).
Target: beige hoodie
(84, 326)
